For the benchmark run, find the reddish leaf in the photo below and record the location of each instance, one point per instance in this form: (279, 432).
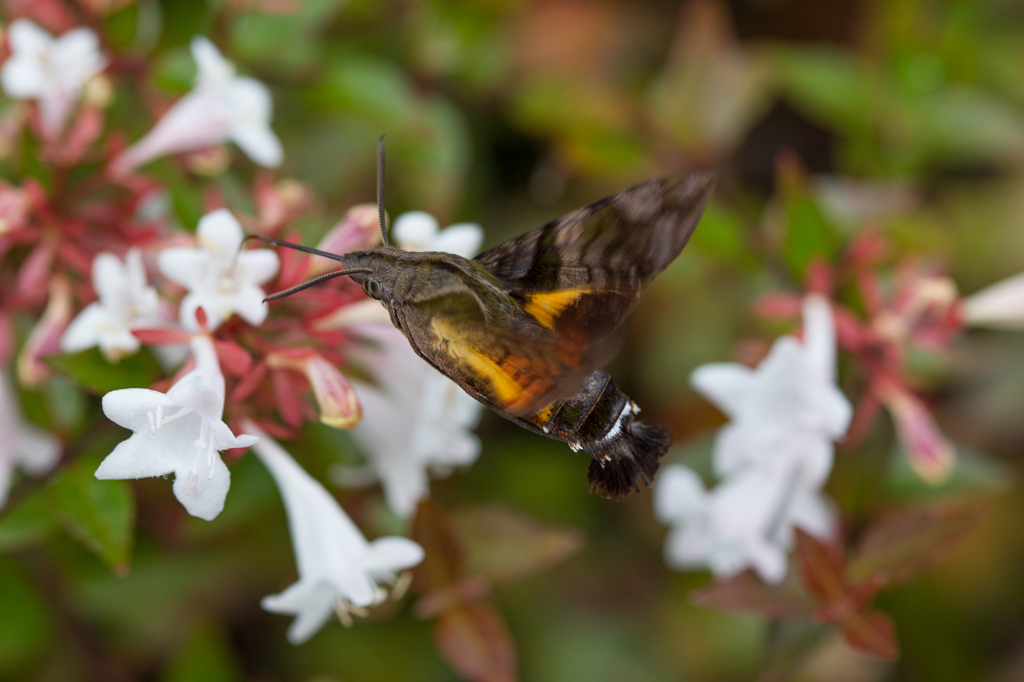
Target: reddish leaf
(161, 336)
(821, 568)
(439, 601)
(474, 639)
(233, 358)
(442, 564)
(86, 128)
(289, 400)
(503, 545)
(250, 382)
(905, 543)
(747, 594)
(873, 633)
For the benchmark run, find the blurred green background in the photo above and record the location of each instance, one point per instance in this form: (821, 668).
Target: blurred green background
(510, 113)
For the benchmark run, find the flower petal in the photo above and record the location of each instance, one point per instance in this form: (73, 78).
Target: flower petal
(220, 233)
(213, 68)
(679, 495)
(83, 332)
(257, 266)
(23, 77)
(998, 305)
(392, 554)
(820, 336)
(726, 384)
(133, 458)
(415, 230)
(258, 142)
(250, 305)
(128, 407)
(462, 239)
(183, 265)
(312, 603)
(26, 37)
(202, 490)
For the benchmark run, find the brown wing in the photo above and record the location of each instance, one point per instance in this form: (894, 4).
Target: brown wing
(580, 276)
(618, 243)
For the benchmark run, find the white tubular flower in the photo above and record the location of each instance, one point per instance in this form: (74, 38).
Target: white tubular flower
(180, 432)
(418, 231)
(126, 301)
(746, 522)
(415, 420)
(788, 410)
(30, 448)
(339, 570)
(999, 305)
(223, 106)
(220, 279)
(50, 70)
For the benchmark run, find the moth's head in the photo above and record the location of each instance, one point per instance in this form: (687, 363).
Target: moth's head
(375, 270)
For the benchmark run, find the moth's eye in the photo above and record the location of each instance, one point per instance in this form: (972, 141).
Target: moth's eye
(372, 288)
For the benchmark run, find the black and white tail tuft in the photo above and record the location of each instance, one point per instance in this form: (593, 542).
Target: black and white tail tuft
(624, 460)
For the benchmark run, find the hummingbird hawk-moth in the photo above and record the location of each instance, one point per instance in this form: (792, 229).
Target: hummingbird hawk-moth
(525, 326)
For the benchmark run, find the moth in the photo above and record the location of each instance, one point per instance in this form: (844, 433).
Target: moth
(525, 326)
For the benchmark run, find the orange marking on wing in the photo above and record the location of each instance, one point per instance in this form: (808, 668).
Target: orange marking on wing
(547, 306)
(512, 382)
(544, 416)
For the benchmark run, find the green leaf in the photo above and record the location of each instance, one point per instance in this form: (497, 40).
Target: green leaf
(973, 473)
(809, 235)
(720, 233)
(206, 656)
(92, 371)
(99, 514)
(25, 628)
(370, 88)
(30, 521)
(829, 85)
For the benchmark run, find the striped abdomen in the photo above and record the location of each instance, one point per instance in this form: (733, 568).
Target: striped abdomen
(601, 421)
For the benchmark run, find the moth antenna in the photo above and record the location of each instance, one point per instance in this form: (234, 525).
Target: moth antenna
(316, 280)
(297, 247)
(380, 191)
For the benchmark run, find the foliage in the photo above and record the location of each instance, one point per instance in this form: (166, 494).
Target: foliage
(875, 161)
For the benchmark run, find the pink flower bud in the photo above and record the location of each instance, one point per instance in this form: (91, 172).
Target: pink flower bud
(45, 337)
(335, 396)
(931, 455)
(359, 229)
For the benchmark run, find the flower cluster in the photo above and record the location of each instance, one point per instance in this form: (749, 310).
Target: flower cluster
(242, 376)
(773, 457)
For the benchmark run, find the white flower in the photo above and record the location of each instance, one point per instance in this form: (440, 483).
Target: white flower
(418, 231)
(48, 70)
(774, 457)
(126, 302)
(220, 279)
(222, 106)
(180, 432)
(415, 420)
(998, 305)
(747, 521)
(35, 451)
(339, 571)
(788, 410)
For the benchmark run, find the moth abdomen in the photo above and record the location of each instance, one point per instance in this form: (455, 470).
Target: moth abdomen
(601, 421)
